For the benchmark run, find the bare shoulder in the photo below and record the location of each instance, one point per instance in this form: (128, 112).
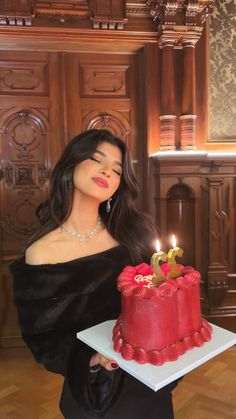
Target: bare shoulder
(38, 252)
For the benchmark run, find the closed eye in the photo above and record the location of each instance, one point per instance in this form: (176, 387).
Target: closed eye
(98, 161)
(92, 158)
(118, 173)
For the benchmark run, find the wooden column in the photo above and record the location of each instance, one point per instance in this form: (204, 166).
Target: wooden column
(188, 117)
(167, 118)
(218, 229)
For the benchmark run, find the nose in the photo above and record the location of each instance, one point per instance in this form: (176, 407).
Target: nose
(105, 171)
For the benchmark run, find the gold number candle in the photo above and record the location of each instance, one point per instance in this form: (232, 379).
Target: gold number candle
(155, 262)
(176, 251)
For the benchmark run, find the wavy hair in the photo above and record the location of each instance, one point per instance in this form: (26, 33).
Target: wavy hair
(125, 223)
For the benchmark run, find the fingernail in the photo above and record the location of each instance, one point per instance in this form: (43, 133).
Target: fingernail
(114, 365)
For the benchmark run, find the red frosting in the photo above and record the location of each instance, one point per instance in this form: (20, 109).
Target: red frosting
(158, 324)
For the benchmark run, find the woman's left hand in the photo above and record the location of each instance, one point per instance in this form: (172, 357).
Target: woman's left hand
(108, 364)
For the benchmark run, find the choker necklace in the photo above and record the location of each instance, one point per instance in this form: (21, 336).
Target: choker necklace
(83, 236)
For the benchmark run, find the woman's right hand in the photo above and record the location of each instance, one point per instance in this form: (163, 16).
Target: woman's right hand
(98, 359)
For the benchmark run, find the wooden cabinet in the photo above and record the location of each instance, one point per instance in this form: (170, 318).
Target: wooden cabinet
(193, 197)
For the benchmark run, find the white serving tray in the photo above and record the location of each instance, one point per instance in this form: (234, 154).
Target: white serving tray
(99, 337)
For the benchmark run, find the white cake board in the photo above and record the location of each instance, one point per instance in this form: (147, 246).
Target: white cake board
(99, 337)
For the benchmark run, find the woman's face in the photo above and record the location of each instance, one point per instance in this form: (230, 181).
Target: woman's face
(99, 176)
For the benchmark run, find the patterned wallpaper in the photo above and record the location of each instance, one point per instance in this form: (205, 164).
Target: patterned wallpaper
(223, 71)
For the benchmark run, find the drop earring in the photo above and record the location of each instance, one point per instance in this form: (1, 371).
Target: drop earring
(108, 205)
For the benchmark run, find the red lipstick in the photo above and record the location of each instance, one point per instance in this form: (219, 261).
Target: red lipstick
(101, 182)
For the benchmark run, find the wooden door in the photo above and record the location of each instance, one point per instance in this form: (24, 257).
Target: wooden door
(30, 141)
(46, 99)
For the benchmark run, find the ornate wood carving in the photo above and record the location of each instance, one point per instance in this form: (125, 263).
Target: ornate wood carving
(180, 12)
(62, 12)
(180, 215)
(137, 9)
(196, 12)
(75, 7)
(30, 142)
(179, 19)
(113, 121)
(16, 12)
(108, 14)
(18, 6)
(25, 172)
(218, 231)
(174, 18)
(102, 80)
(25, 78)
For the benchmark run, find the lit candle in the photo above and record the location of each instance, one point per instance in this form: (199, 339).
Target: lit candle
(157, 257)
(176, 251)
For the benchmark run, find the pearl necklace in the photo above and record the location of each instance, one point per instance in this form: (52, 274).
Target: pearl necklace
(83, 236)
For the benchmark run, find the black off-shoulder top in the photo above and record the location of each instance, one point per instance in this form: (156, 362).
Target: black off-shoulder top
(54, 302)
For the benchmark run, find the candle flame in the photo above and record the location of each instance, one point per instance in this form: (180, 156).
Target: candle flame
(158, 246)
(173, 241)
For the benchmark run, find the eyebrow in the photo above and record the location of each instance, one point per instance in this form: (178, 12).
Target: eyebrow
(104, 155)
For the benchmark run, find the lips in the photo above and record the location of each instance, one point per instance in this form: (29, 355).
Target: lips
(100, 182)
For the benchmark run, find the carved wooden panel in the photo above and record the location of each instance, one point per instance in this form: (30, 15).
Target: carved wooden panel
(104, 92)
(218, 240)
(179, 13)
(108, 8)
(25, 171)
(19, 6)
(63, 12)
(180, 215)
(27, 126)
(30, 142)
(108, 14)
(16, 12)
(114, 121)
(102, 80)
(26, 78)
(72, 5)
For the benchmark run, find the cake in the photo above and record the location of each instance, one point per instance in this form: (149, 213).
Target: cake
(159, 322)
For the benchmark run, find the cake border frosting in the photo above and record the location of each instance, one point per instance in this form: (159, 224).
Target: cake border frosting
(159, 357)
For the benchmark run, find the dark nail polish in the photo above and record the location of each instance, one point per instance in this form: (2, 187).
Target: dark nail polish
(114, 365)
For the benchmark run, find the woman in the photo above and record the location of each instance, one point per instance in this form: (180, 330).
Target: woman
(67, 280)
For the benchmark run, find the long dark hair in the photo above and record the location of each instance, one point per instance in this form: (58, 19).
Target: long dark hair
(125, 223)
